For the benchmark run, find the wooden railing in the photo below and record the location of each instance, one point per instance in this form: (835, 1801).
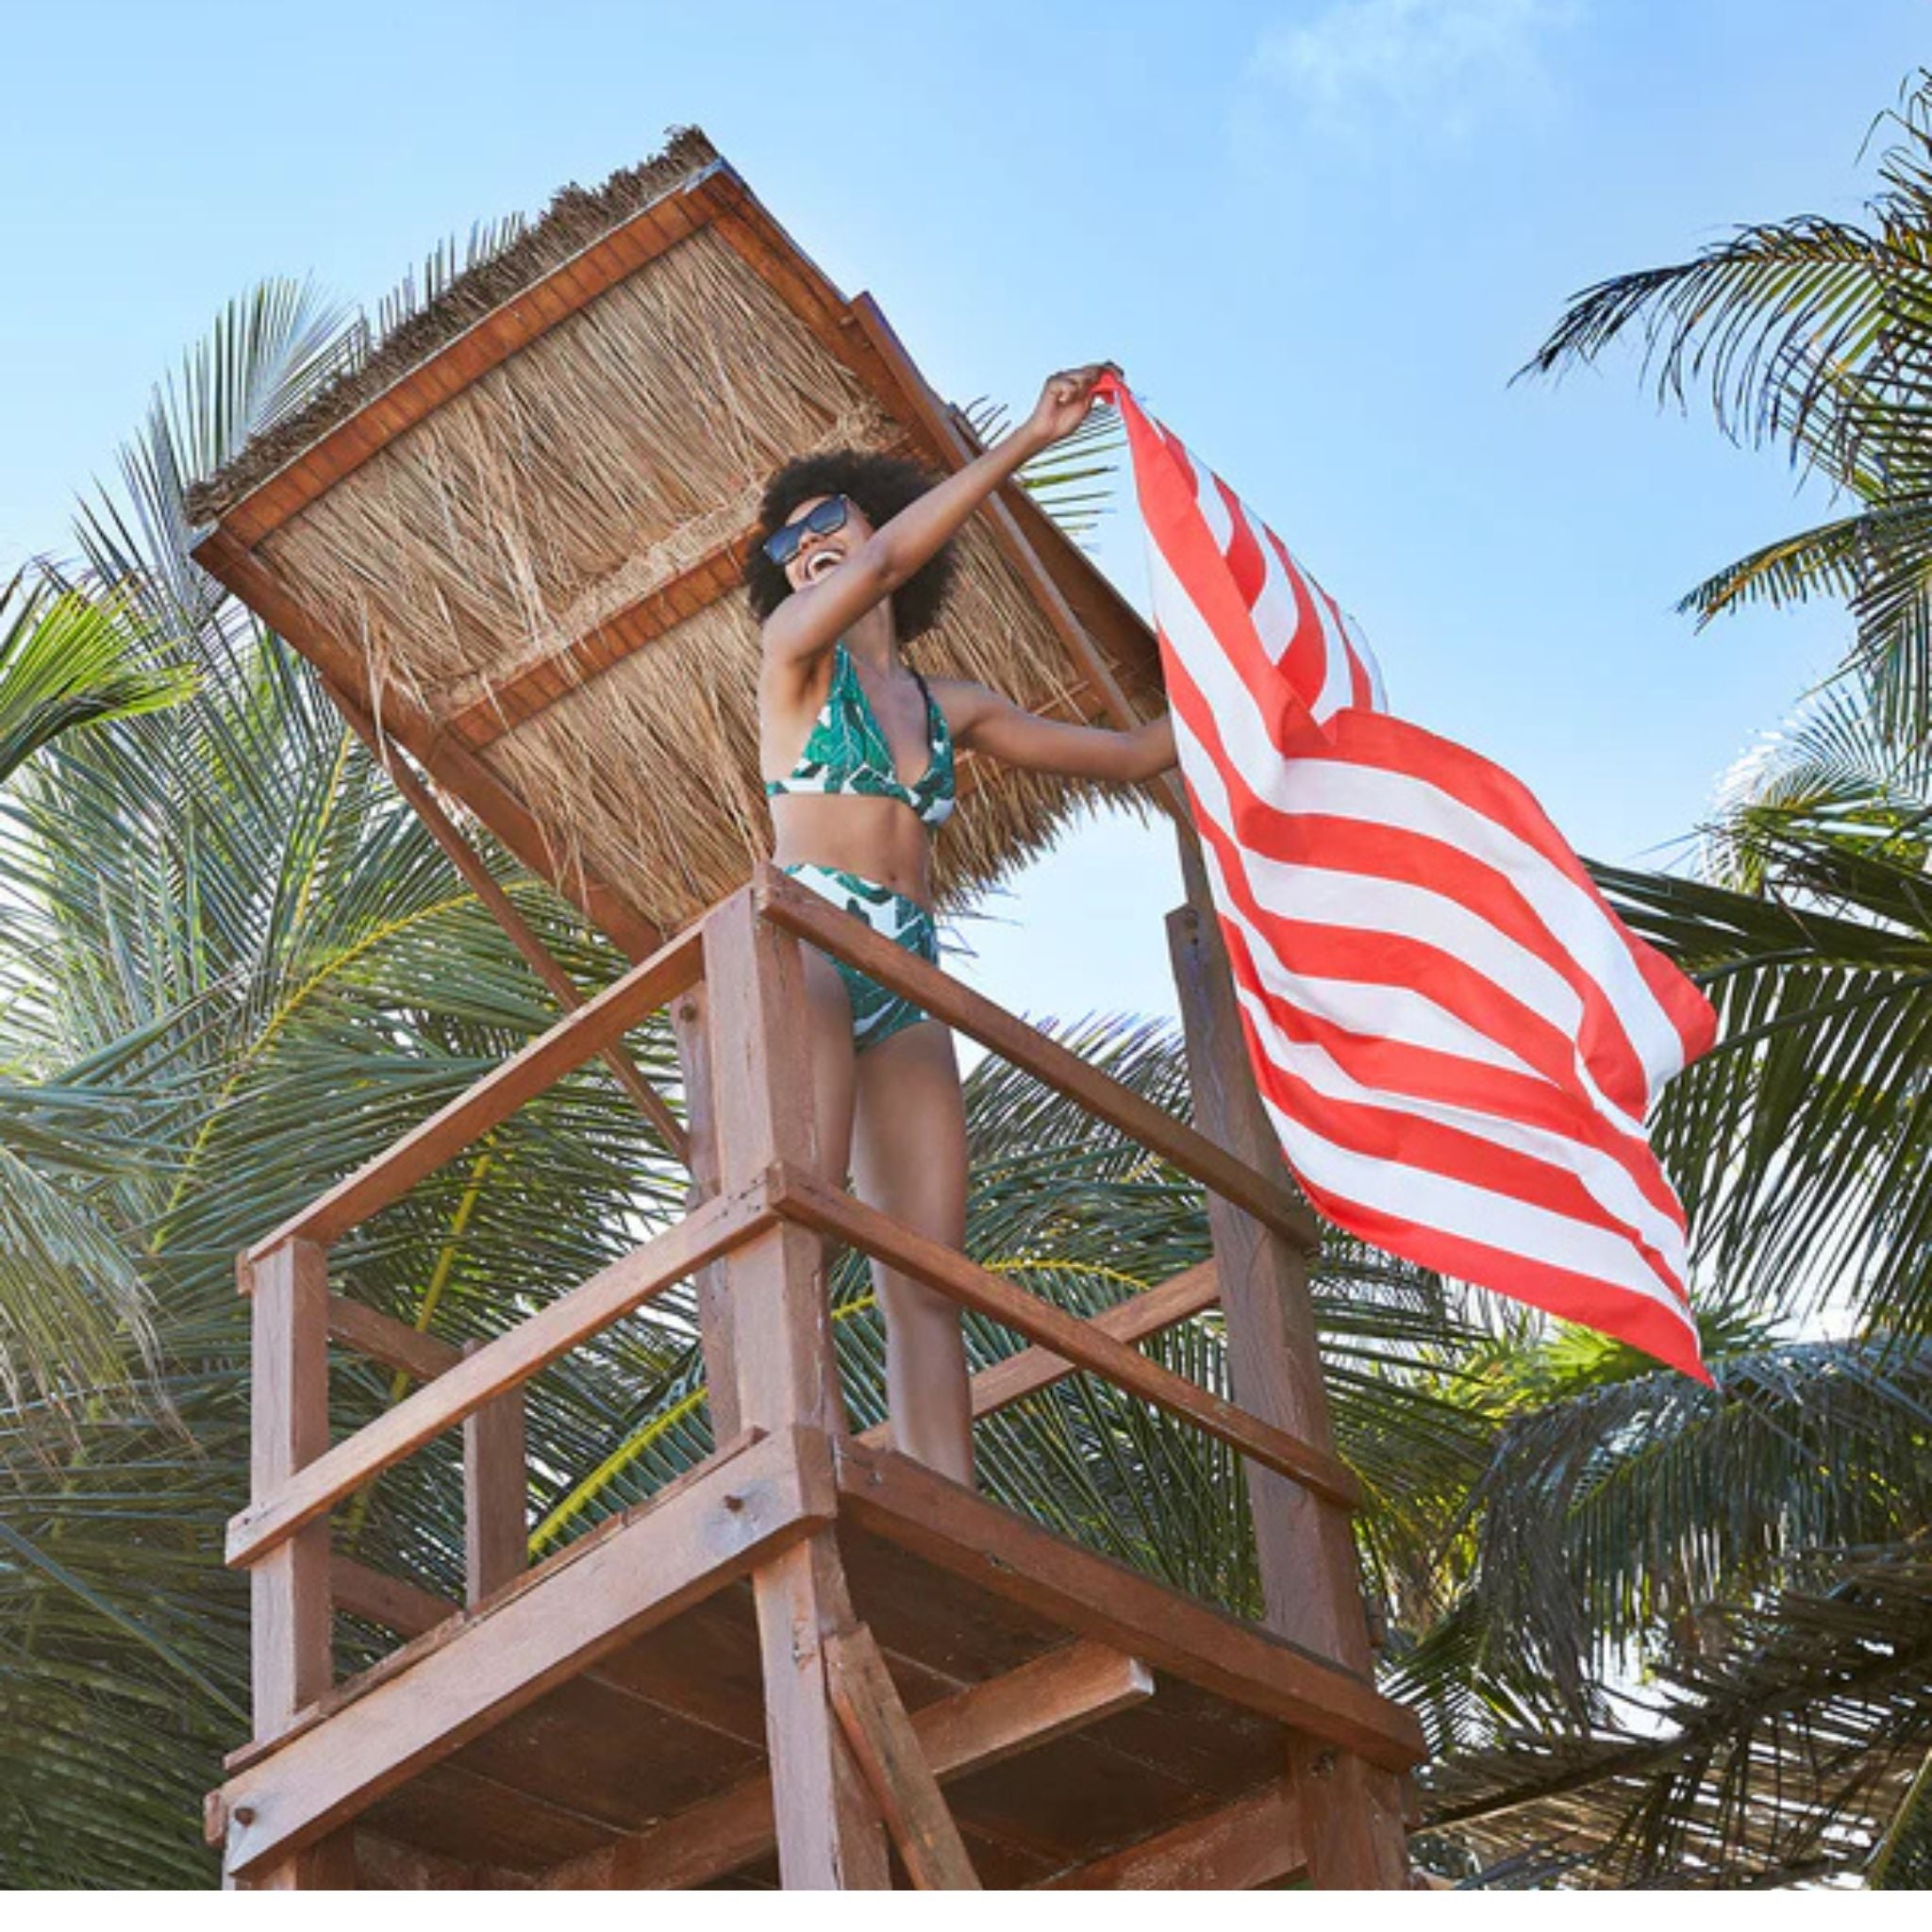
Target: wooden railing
(767, 1204)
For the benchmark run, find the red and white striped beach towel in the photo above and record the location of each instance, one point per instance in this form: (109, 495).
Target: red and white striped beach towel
(1457, 1039)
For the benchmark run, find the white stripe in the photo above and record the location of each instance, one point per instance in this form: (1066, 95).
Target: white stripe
(1359, 902)
(1609, 1183)
(1454, 1207)
(1378, 691)
(1213, 511)
(1574, 920)
(1338, 687)
(1277, 617)
(1575, 923)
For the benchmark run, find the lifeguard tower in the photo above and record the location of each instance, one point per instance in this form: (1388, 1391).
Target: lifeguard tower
(508, 540)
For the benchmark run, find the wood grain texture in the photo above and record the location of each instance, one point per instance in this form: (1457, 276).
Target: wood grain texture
(1033, 1369)
(895, 1768)
(500, 1365)
(974, 1728)
(1091, 1595)
(1255, 1841)
(952, 1275)
(292, 1662)
(661, 1561)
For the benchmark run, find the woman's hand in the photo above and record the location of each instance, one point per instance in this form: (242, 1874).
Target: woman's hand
(1064, 402)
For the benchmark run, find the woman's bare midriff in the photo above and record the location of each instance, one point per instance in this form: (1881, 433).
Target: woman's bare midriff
(878, 839)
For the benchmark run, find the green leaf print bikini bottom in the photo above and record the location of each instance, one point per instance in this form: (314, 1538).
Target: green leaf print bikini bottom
(877, 1014)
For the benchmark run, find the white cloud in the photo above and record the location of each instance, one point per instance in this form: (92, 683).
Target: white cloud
(1373, 67)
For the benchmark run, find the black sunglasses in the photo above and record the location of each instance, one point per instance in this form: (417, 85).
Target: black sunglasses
(781, 546)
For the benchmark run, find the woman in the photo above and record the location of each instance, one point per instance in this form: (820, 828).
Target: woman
(850, 563)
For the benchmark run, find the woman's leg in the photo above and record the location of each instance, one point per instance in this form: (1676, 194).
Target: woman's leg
(909, 1161)
(831, 1065)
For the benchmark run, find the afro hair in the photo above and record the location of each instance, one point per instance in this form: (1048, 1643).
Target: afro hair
(881, 487)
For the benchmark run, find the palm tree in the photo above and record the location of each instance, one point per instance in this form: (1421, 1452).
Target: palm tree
(1760, 1552)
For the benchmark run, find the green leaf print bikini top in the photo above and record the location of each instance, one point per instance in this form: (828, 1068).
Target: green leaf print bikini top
(847, 751)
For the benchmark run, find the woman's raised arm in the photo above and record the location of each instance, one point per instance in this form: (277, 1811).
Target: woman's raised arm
(812, 620)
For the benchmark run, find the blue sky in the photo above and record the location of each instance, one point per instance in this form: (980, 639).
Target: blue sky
(1319, 235)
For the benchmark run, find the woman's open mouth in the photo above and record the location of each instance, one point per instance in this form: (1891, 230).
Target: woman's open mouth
(820, 562)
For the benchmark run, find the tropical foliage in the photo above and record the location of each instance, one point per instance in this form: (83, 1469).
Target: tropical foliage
(1657, 1633)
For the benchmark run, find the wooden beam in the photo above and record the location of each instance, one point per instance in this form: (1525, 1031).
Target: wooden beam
(385, 1340)
(665, 1559)
(511, 1358)
(290, 1639)
(951, 1273)
(393, 1602)
(830, 1832)
(1096, 1597)
(477, 874)
(496, 1488)
(568, 667)
(575, 1037)
(449, 763)
(554, 297)
(1255, 1841)
(715, 1317)
(901, 1780)
(1033, 1369)
(788, 905)
(983, 1724)
(1351, 1815)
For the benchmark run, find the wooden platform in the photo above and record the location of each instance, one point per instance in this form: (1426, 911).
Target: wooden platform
(1072, 1710)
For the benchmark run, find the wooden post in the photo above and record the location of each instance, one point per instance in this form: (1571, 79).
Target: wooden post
(829, 1831)
(1305, 1545)
(495, 1493)
(290, 1632)
(713, 1290)
(288, 1429)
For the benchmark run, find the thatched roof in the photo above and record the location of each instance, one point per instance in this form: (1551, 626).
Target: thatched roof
(512, 529)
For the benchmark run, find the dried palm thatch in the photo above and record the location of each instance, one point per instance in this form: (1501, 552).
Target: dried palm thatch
(611, 466)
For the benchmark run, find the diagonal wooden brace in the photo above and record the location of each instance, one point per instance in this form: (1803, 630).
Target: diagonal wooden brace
(902, 1782)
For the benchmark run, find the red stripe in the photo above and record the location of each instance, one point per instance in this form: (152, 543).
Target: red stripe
(1467, 877)
(1243, 554)
(1378, 958)
(1632, 1318)
(1408, 1141)
(1373, 737)
(1304, 663)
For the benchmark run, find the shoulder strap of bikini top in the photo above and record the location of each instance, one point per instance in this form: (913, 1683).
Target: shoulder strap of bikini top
(925, 693)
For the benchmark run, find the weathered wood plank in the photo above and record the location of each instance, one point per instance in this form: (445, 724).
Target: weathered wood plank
(901, 1780)
(953, 1274)
(663, 1560)
(497, 1545)
(511, 1358)
(950, 1526)
(812, 918)
(1309, 1577)
(527, 1073)
(982, 1725)
(385, 1340)
(1033, 1369)
(290, 1626)
(1255, 1841)
(393, 1602)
